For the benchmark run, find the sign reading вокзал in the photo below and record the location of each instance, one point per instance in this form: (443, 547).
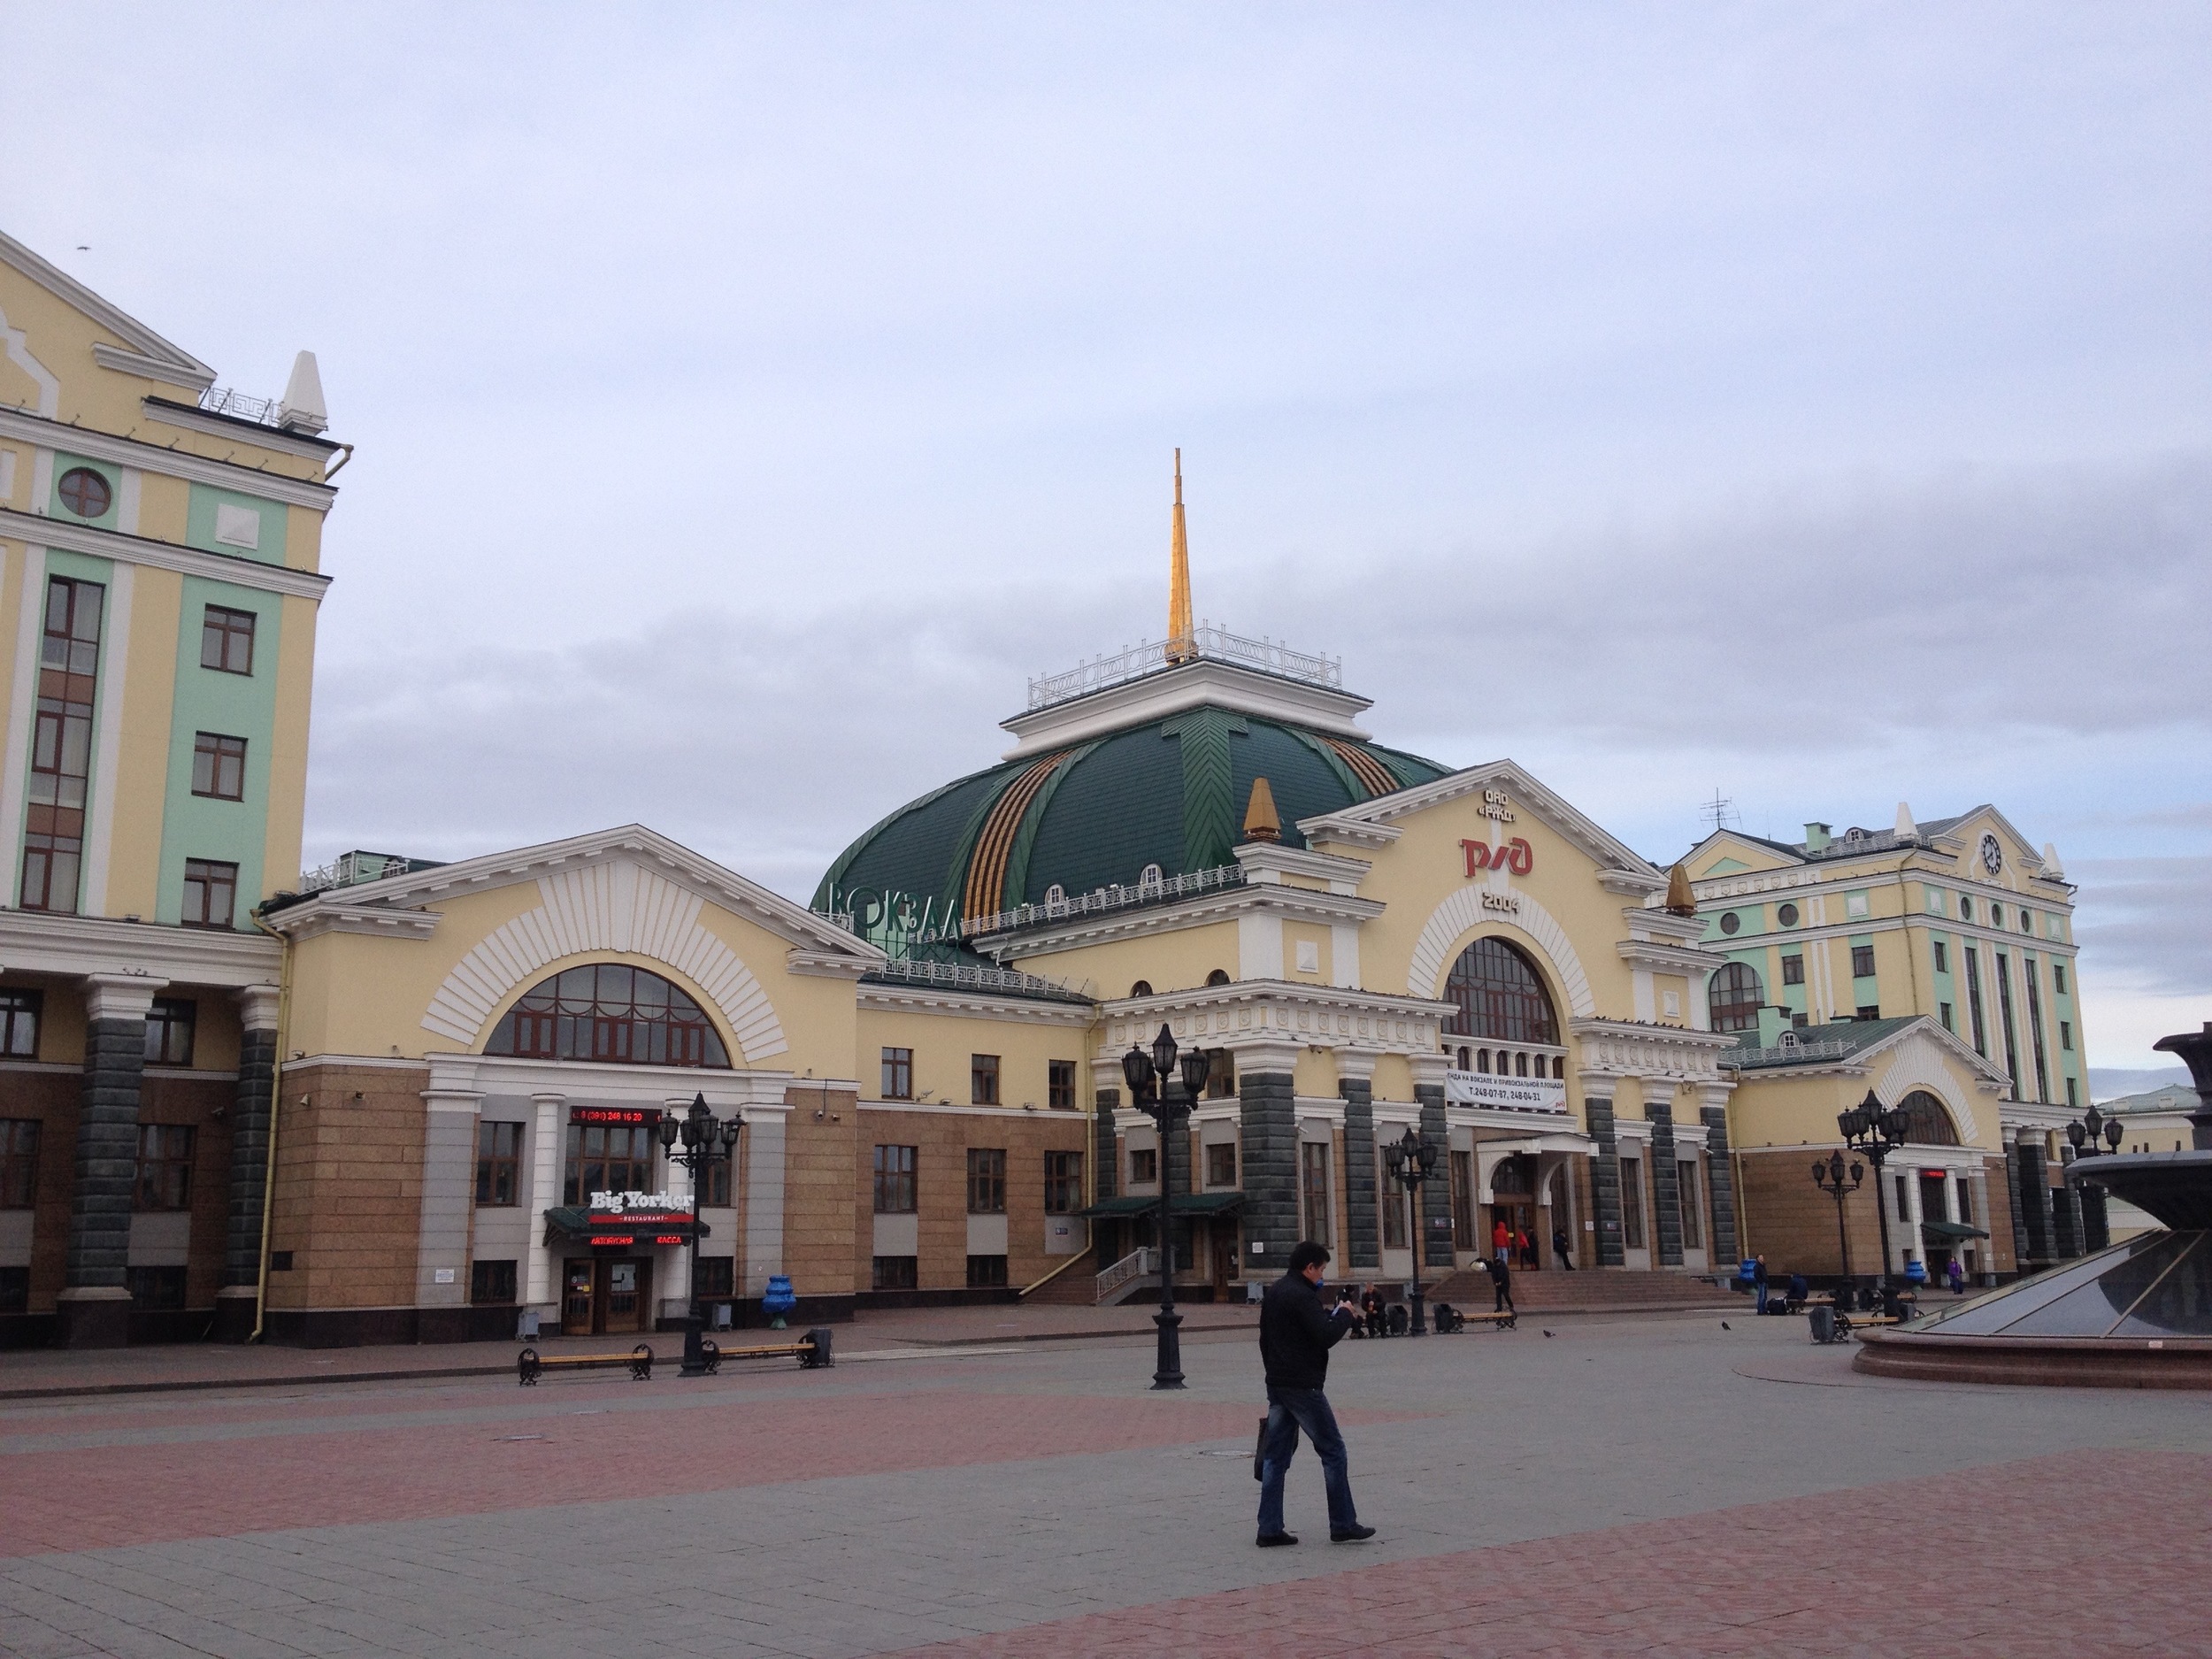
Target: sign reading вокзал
(1506, 1094)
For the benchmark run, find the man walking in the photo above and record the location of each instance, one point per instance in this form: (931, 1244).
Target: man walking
(1501, 1280)
(1759, 1280)
(1559, 1248)
(1296, 1337)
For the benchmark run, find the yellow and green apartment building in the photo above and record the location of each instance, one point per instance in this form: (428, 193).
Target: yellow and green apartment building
(402, 1101)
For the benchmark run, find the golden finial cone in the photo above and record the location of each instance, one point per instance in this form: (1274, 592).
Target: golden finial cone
(1182, 645)
(1680, 900)
(1261, 823)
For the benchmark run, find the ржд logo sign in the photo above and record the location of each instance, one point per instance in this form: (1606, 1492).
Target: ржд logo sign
(1514, 856)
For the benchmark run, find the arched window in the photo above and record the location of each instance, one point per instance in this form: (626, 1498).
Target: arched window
(1733, 997)
(1142, 987)
(1151, 879)
(1055, 894)
(1219, 976)
(1926, 1123)
(610, 1012)
(1499, 996)
(1482, 1059)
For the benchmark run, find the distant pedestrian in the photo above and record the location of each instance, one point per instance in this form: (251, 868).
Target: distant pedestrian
(1502, 1282)
(1296, 1337)
(1525, 1245)
(1800, 1290)
(1376, 1309)
(1501, 1240)
(1957, 1275)
(1759, 1281)
(1559, 1248)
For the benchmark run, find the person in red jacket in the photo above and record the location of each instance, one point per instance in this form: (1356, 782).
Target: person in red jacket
(1501, 1240)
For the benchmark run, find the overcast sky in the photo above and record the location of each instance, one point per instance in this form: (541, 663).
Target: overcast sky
(1807, 402)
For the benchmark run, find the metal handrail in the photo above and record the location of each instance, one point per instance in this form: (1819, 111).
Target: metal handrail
(1108, 898)
(1208, 641)
(969, 976)
(1136, 1265)
(1828, 1049)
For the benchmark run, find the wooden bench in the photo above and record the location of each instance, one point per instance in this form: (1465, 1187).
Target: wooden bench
(530, 1363)
(1504, 1321)
(811, 1350)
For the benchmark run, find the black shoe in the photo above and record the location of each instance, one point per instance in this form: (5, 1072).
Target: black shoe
(1350, 1534)
(1275, 1540)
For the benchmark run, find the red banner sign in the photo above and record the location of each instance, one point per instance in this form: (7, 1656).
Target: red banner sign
(1515, 855)
(648, 1116)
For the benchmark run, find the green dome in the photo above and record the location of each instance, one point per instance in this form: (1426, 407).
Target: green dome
(1096, 813)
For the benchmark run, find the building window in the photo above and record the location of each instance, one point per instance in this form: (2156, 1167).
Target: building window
(1793, 970)
(896, 1272)
(164, 1166)
(1219, 976)
(613, 1014)
(1499, 994)
(15, 1289)
(894, 1180)
(1313, 1167)
(1144, 1166)
(1943, 1012)
(85, 493)
(1150, 878)
(987, 1273)
(1868, 1011)
(2066, 1036)
(987, 1180)
(2058, 977)
(219, 766)
(1966, 909)
(211, 893)
(169, 1027)
(1464, 1203)
(498, 1165)
(18, 1163)
(1693, 1222)
(1734, 997)
(1063, 1183)
(1926, 1121)
(1996, 916)
(492, 1283)
(1974, 1000)
(1862, 962)
(1060, 1085)
(2072, 1100)
(1731, 922)
(607, 1158)
(710, 1189)
(714, 1276)
(1221, 1164)
(157, 1288)
(898, 1074)
(1787, 915)
(227, 640)
(983, 1080)
(18, 1023)
(1632, 1203)
(1142, 987)
(61, 746)
(1221, 1075)
(1942, 957)
(1904, 1201)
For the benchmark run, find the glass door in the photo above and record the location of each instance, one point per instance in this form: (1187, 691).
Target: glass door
(578, 1299)
(626, 1295)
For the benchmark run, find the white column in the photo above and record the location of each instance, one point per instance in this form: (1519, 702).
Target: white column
(548, 1140)
(1909, 1246)
(763, 1219)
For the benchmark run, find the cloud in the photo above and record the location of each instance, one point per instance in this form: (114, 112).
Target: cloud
(2150, 925)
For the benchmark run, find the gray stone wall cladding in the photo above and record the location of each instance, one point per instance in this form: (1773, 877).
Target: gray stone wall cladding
(2035, 1204)
(1362, 1214)
(1436, 1194)
(107, 1154)
(1268, 1126)
(448, 1202)
(2066, 1216)
(2021, 1251)
(1720, 1181)
(1176, 1171)
(2096, 1223)
(1666, 1188)
(1605, 1181)
(1105, 1177)
(248, 1157)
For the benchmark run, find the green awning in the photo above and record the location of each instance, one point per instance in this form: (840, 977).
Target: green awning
(1181, 1204)
(1951, 1229)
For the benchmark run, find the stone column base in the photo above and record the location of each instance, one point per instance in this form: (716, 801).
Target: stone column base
(93, 1317)
(235, 1306)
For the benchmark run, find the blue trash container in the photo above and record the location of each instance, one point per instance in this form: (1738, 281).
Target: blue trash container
(779, 1300)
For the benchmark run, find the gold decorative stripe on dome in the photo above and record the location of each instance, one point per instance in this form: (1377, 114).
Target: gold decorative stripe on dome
(1364, 766)
(985, 892)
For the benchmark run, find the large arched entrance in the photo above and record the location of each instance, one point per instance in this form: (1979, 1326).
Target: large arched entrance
(1513, 1207)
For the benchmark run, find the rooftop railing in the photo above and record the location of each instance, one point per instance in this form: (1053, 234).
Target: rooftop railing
(970, 977)
(221, 400)
(1208, 644)
(350, 869)
(1101, 900)
(1827, 1048)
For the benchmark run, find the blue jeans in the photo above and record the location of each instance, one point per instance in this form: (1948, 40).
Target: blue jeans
(1288, 1410)
(1760, 1288)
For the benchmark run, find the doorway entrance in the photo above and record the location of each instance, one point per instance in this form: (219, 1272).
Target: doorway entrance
(606, 1295)
(1513, 1193)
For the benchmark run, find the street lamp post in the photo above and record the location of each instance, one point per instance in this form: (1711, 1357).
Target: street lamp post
(1152, 1079)
(1828, 1176)
(2094, 1127)
(706, 1143)
(1874, 1133)
(1411, 1159)
(2096, 1224)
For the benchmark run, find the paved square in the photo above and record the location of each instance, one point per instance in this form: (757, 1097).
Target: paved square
(1654, 1484)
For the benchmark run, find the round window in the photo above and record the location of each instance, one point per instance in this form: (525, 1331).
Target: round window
(1996, 916)
(1787, 915)
(84, 492)
(1966, 909)
(1731, 922)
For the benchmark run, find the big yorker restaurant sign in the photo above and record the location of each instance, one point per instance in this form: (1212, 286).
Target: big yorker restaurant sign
(1547, 1094)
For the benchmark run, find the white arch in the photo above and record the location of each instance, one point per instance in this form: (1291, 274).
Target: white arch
(616, 906)
(1917, 1064)
(1461, 913)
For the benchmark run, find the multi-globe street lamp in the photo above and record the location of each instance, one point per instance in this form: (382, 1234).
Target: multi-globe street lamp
(2094, 1127)
(1874, 1133)
(1152, 1079)
(1412, 1159)
(1828, 1174)
(706, 1142)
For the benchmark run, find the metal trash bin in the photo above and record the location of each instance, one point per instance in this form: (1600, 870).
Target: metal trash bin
(1823, 1321)
(526, 1325)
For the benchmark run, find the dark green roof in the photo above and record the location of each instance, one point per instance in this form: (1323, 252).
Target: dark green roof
(1170, 792)
(1817, 1045)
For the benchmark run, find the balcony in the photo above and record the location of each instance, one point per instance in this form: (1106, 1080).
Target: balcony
(1207, 643)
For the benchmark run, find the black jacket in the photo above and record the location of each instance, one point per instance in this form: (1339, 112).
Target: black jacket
(1296, 1336)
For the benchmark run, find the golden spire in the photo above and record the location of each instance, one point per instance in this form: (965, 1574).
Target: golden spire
(1680, 900)
(1261, 823)
(1182, 645)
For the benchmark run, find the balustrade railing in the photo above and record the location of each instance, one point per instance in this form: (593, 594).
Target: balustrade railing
(1136, 1265)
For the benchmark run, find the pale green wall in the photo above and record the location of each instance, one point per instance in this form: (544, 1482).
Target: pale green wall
(199, 525)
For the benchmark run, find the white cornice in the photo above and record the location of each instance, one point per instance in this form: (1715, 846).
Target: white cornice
(145, 343)
(306, 448)
(585, 1081)
(1203, 684)
(935, 999)
(32, 941)
(1334, 828)
(1221, 905)
(951, 1109)
(1266, 861)
(1603, 848)
(1657, 956)
(40, 531)
(146, 368)
(1626, 1047)
(153, 458)
(1267, 1013)
(1682, 930)
(337, 917)
(826, 964)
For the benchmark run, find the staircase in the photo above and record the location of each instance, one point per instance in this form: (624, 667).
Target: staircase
(1076, 1286)
(1604, 1290)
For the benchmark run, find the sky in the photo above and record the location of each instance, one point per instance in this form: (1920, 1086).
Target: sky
(1807, 405)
